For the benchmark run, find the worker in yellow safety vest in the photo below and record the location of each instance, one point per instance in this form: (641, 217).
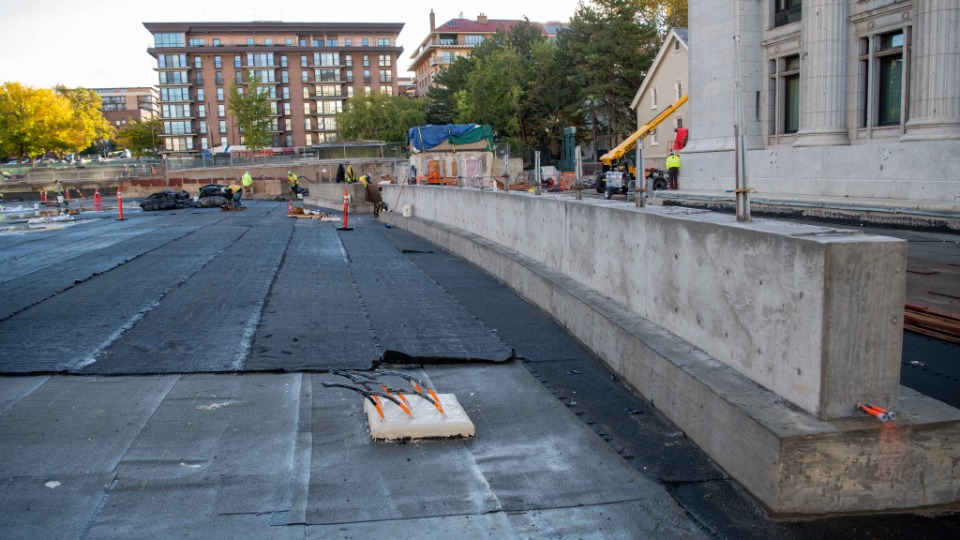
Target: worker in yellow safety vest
(351, 176)
(247, 182)
(673, 168)
(233, 193)
(294, 183)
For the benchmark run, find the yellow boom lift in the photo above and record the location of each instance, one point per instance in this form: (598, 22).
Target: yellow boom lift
(617, 154)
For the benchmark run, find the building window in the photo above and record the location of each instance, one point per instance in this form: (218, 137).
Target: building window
(347, 42)
(366, 76)
(289, 140)
(218, 77)
(678, 90)
(326, 59)
(306, 92)
(388, 90)
(197, 62)
(785, 95)
(283, 60)
(306, 124)
(348, 60)
(304, 76)
(286, 92)
(306, 108)
(200, 94)
(237, 61)
(303, 60)
(217, 62)
(238, 76)
(676, 45)
(203, 128)
(167, 40)
(268, 41)
(386, 76)
(303, 43)
(473, 40)
(786, 12)
(653, 98)
(223, 126)
(219, 94)
(385, 60)
(882, 79)
(316, 43)
(309, 139)
(288, 42)
(654, 138)
(250, 41)
(286, 109)
(383, 42)
(332, 43)
(285, 76)
(199, 77)
(365, 42)
(366, 60)
(288, 124)
(204, 143)
(216, 42)
(221, 111)
(678, 122)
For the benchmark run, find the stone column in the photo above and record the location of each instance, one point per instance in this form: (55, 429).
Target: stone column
(823, 73)
(934, 80)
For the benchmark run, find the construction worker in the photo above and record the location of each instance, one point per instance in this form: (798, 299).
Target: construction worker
(351, 176)
(341, 174)
(233, 193)
(58, 188)
(294, 183)
(364, 179)
(247, 182)
(673, 168)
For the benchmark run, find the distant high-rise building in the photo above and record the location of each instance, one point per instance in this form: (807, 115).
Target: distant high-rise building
(310, 69)
(123, 105)
(455, 38)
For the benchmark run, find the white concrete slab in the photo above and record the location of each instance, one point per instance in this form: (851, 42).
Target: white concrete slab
(426, 421)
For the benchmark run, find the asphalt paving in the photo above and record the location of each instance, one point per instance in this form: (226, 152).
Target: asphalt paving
(163, 377)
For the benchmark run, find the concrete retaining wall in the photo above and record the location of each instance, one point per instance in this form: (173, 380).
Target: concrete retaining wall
(793, 463)
(811, 313)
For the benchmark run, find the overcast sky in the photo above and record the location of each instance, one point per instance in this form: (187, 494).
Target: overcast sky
(103, 44)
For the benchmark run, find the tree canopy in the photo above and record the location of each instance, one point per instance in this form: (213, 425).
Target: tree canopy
(529, 89)
(250, 107)
(34, 121)
(380, 117)
(141, 136)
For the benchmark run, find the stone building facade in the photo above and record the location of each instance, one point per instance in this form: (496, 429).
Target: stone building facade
(848, 98)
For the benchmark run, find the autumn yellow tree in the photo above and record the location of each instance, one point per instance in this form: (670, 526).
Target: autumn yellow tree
(30, 119)
(86, 123)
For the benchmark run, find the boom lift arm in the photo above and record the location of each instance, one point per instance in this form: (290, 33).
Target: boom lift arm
(621, 150)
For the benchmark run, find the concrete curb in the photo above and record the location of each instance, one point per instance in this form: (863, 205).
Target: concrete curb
(792, 463)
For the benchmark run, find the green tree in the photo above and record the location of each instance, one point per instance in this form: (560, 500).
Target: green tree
(380, 117)
(85, 124)
(493, 94)
(607, 49)
(31, 119)
(251, 109)
(141, 136)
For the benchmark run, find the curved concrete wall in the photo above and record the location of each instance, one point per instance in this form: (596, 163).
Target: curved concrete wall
(813, 314)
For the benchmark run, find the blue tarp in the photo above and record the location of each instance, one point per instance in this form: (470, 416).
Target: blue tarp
(422, 138)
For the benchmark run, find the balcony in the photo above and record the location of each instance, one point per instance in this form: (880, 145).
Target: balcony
(787, 16)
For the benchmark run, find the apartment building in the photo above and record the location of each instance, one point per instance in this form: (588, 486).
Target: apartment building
(849, 98)
(123, 105)
(455, 38)
(310, 70)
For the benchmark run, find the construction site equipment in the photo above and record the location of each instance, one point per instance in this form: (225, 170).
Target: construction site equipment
(618, 158)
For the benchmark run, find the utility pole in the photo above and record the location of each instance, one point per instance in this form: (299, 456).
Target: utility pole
(742, 191)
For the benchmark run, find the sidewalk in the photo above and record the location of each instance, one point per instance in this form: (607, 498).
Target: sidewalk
(942, 215)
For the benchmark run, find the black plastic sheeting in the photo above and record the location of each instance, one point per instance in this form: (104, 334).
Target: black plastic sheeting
(932, 367)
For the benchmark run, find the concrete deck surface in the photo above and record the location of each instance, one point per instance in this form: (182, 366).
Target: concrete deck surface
(163, 378)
